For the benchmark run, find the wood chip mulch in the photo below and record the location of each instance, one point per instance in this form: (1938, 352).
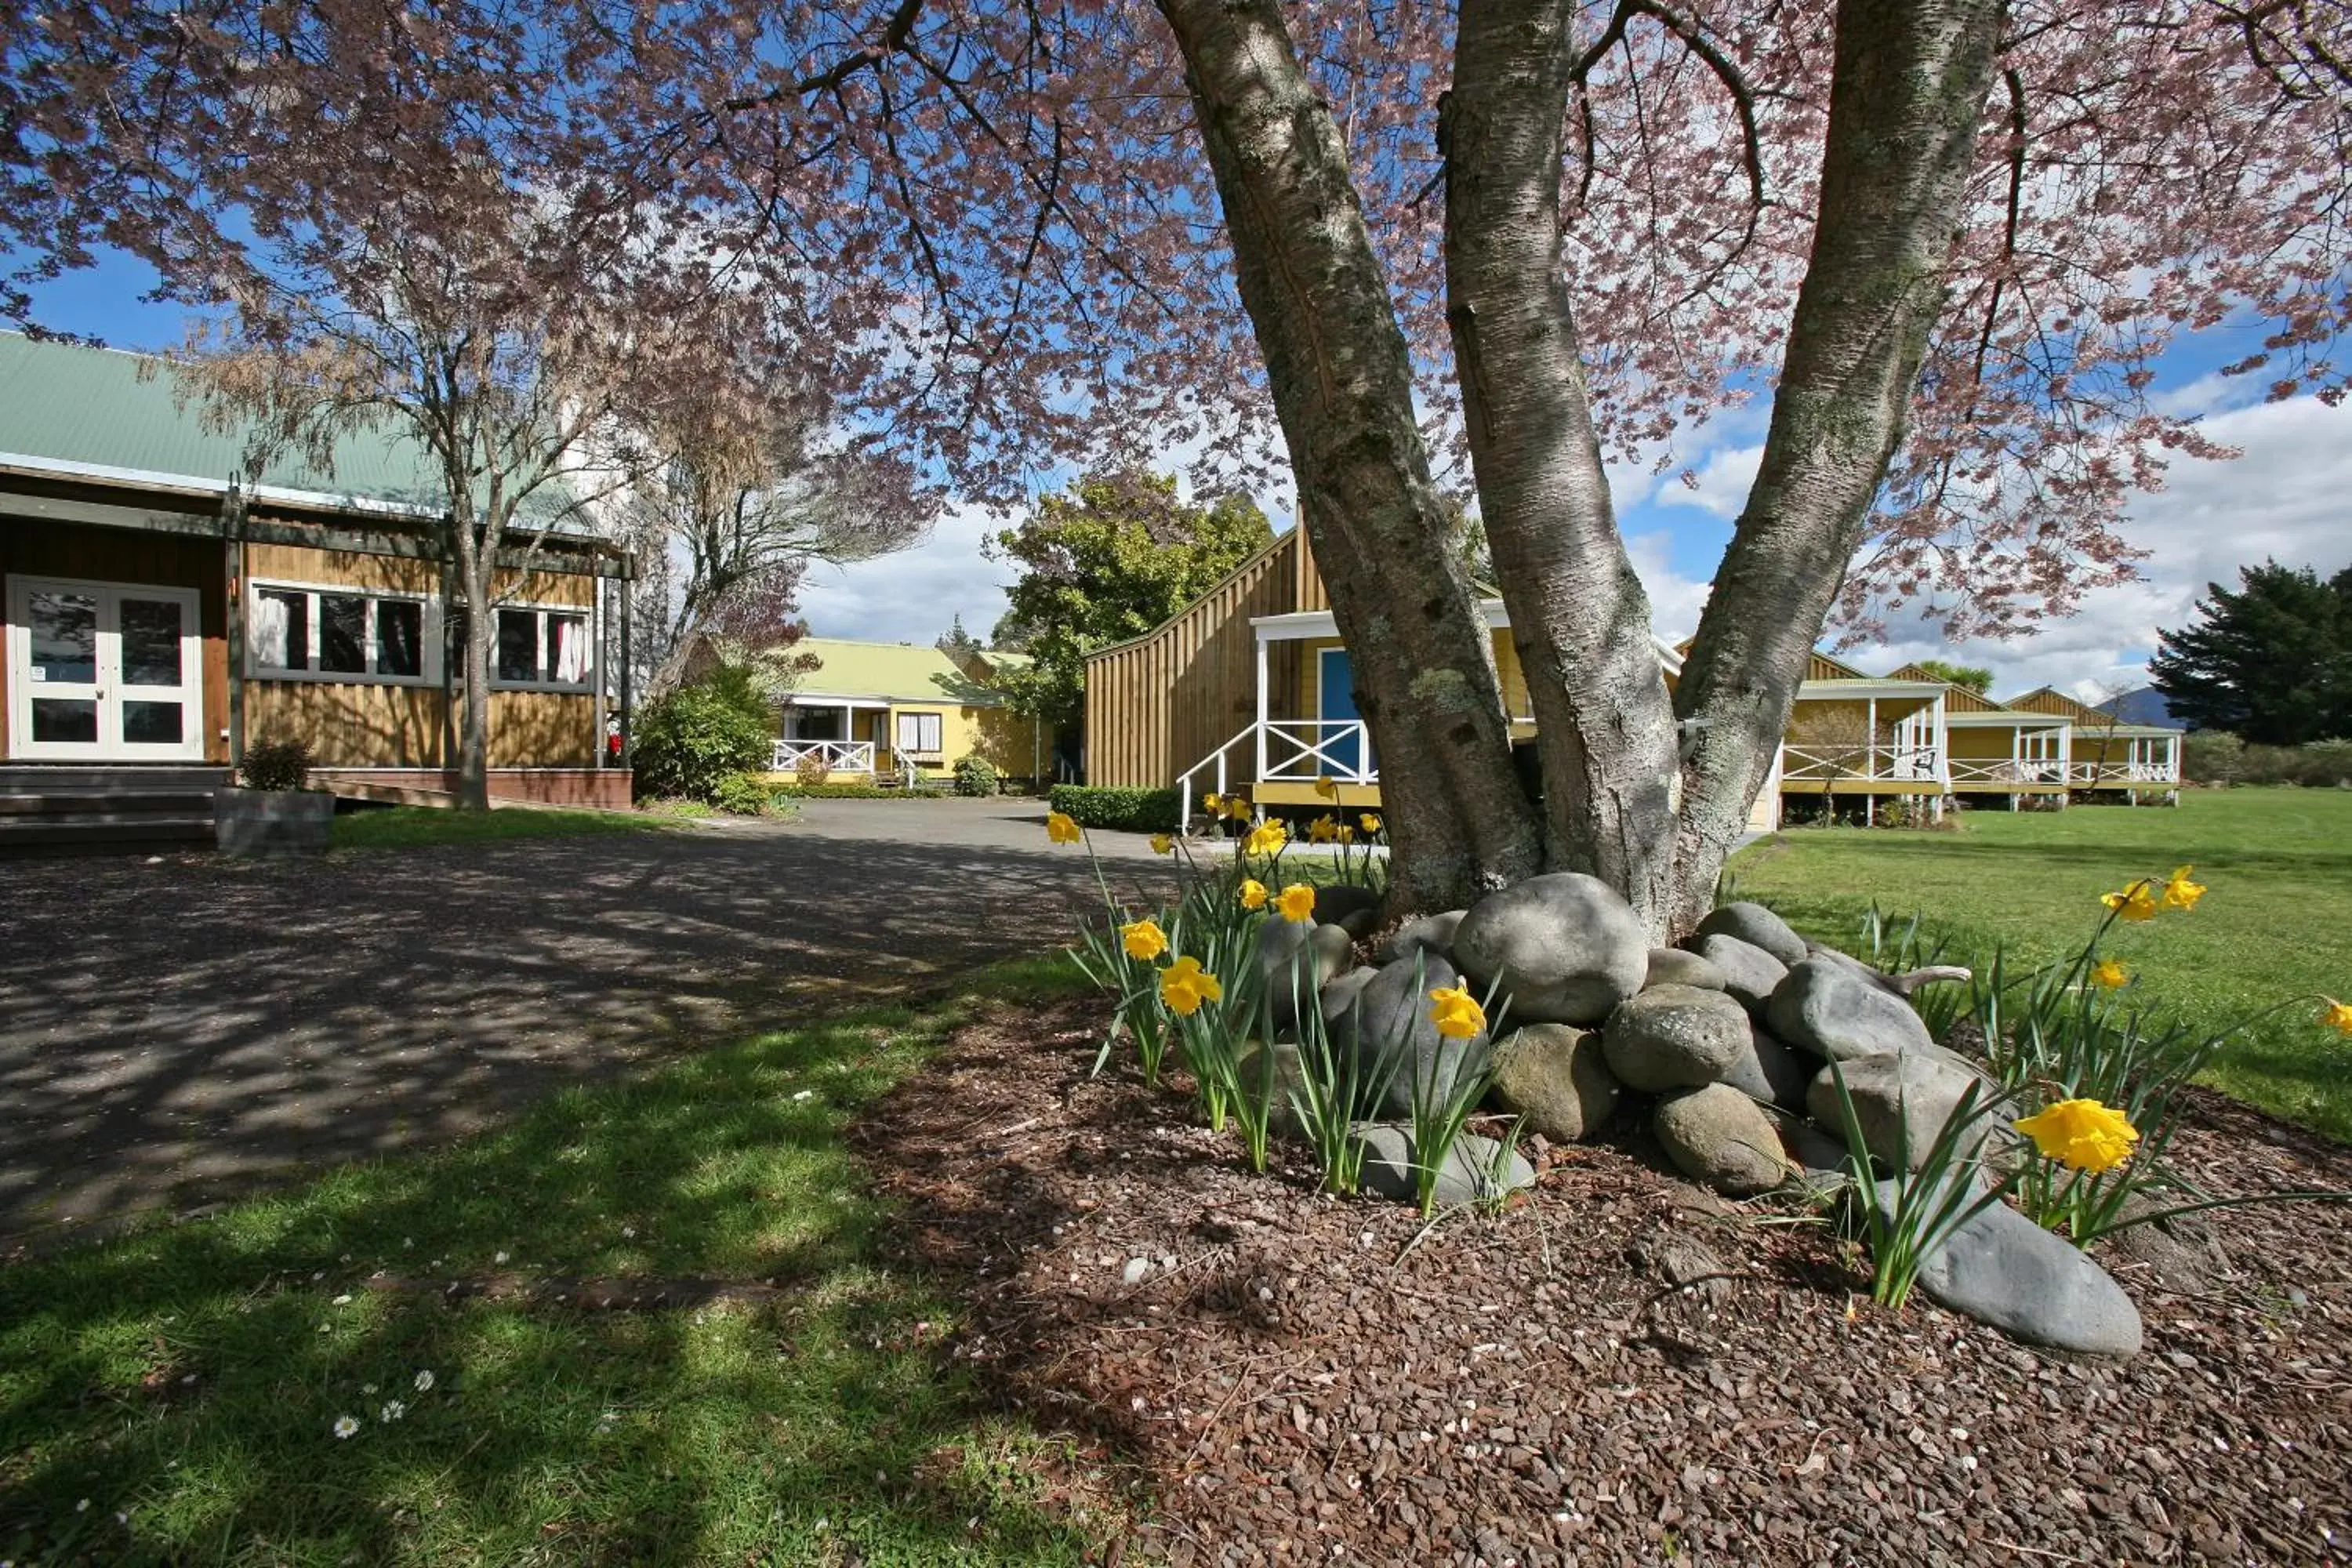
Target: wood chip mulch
(1621, 1369)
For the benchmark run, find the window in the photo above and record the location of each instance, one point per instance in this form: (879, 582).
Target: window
(540, 647)
(296, 631)
(918, 733)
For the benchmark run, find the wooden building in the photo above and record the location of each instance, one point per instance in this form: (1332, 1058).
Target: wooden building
(2017, 756)
(2138, 763)
(902, 712)
(160, 611)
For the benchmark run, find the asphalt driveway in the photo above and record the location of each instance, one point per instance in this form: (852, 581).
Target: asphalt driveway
(178, 1028)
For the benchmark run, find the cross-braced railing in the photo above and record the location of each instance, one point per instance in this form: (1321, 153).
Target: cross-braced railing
(2007, 771)
(840, 756)
(1859, 764)
(1284, 750)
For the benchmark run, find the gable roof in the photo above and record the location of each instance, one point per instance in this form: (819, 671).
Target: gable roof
(2091, 721)
(113, 415)
(1958, 698)
(886, 671)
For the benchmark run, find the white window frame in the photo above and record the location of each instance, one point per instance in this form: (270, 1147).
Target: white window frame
(542, 611)
(939, 727)
(428, 635)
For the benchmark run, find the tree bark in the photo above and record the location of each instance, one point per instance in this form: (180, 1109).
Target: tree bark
(1905, 100)
(1341, 379)
(1604, 722)
(474, 559)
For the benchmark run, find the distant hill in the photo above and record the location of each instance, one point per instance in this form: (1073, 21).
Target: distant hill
(2142, 706)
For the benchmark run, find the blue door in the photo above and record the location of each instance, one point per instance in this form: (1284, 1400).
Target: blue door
(1334, 689)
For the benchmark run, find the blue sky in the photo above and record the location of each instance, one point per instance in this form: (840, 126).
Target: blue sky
(2289, 496)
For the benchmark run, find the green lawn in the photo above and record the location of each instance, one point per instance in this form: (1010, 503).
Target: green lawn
(2276, 924)
(408, 826)
(172, 1396)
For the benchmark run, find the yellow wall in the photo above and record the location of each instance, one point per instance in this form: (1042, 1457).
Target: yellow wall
(1307, 696)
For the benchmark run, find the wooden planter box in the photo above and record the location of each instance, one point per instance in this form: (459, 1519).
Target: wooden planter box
(273, 824)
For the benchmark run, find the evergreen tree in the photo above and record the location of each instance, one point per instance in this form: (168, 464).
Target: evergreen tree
(2271, 662)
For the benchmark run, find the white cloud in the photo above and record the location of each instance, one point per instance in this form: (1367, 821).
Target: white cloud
(1675, 600)
(1718, 485)
(913, 595)
(2286, 498)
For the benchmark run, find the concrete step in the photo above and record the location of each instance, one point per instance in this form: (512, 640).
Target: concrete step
(31, 833)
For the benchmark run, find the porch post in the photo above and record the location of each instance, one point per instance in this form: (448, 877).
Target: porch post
(233, 631)
(1870, 741)
(1259, 776)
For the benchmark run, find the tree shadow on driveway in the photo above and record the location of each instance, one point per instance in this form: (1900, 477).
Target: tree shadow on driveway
(173, 1030)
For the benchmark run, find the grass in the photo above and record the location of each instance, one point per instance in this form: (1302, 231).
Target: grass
(170, 1397)
(2276, 925)
(412, 827)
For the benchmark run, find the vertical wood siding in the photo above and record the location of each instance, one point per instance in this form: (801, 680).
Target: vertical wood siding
(1162, 702)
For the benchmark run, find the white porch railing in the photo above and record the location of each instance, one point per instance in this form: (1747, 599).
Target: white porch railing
(1284, 750)
(2003, 771)
(1861, 765)
(2115, 775)
(841, 756)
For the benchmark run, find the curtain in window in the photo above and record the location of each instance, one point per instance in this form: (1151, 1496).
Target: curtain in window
(266, 628)
(570, 637)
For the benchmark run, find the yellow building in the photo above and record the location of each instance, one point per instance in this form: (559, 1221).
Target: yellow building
(1996, 754)
(900, 711)
(2138, 762)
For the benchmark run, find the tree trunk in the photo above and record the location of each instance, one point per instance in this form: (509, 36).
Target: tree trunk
(473, 726)
(1906, 101)
(1604, 721)
(1341, 378)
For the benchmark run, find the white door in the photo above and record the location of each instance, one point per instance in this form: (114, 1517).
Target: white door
(104, 671)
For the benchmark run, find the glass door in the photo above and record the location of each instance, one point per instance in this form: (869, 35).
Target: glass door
(103, 672)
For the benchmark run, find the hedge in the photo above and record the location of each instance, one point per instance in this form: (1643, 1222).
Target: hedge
(929, 789)
(1130, 810)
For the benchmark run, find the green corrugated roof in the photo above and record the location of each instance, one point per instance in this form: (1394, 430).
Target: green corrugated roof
(110, 409)
(899, 672)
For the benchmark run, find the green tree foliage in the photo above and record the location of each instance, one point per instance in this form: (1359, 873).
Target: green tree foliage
(1109, 560)
(1975, 678)
(2271, 662)
(692, 740)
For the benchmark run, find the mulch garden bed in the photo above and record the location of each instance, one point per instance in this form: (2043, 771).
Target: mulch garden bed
(1620, 1369)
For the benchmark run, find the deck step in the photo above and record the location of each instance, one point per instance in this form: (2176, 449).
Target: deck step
(52, 808)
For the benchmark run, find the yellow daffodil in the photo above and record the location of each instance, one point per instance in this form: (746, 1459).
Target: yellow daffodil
(1372, 824)
(1061, 828)
(1237, 808)
(1322, 829)
(1213, 803)
(2109, 975)
(1185, 985)
(1163, 844)
(1456, 1012)
(1328, 787)
(2339, 1015)
(2179, 892)
(1266, 838)
(1297, 903)
(1344, 834)
(1144, 940)
(2137, 903)
(2081, 1134)
(1252, 893)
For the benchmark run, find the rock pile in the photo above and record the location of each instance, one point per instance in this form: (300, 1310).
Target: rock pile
(1725, 1046)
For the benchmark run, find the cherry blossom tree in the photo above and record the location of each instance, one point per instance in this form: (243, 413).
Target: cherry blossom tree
(1392, 247)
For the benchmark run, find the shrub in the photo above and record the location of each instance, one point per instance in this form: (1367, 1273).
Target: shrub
(1131, 810)
(741, 795)
(975, 776)
(275, 764)
(841, 792)
(812, 770)
(694, 738)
